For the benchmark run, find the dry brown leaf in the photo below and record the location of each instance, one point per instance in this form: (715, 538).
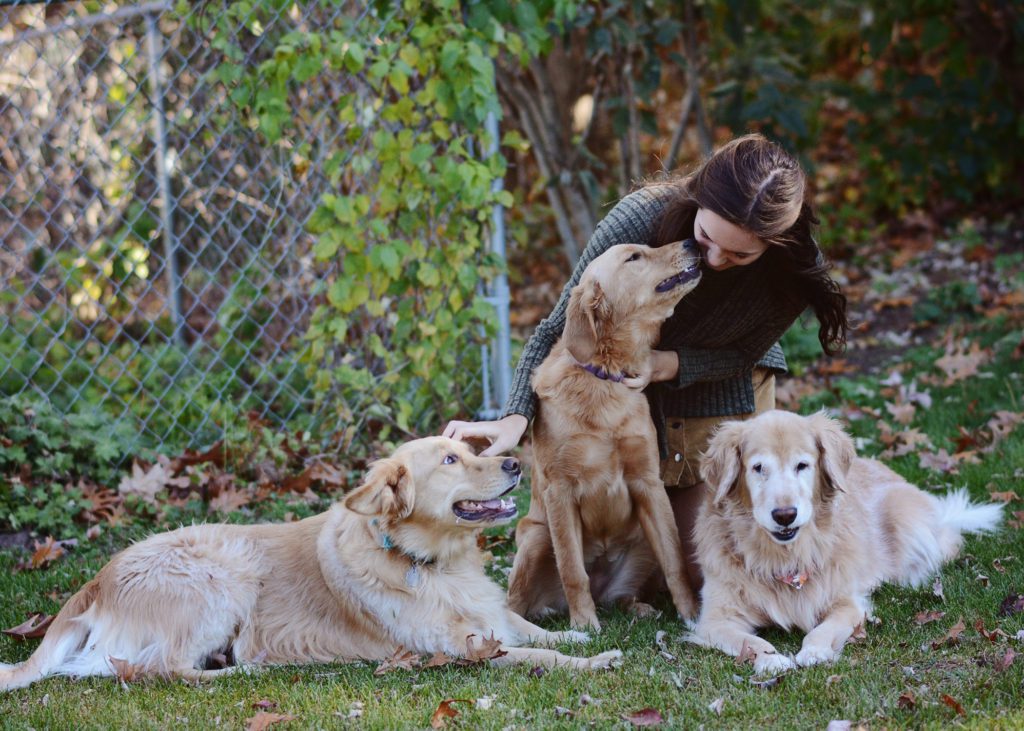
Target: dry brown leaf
(959, 364)
(645, 717)
(229, 500)
(926, 617)
(746, 656)
(264, 705)
(264, 720)
(215, 455)
(1012, 604)
(858, 634)
(941, 461)
(998, 566)
(717, 705)
(486, 649)
(402, 659)
(937, 589)
(101, 504)
(45, 553)
(444, 711)
(32, 628)
(125, 671)
(992, 636)
(1005, 661)
(952, 636)
(1006, 496)
(145, 484)
(906, 701)
(902, 413)
(952, 703)
(438, 659)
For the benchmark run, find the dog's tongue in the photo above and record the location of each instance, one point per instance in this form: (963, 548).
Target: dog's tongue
(496, 503)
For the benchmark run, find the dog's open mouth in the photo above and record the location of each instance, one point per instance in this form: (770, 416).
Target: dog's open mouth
(494, 509)
(687, 275)
(786, 534)
(497, 508)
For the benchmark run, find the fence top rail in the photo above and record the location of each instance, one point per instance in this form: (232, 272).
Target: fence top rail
(151, 8)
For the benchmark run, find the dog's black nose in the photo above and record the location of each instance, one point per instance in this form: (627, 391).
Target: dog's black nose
(512, 465)
(784, 516)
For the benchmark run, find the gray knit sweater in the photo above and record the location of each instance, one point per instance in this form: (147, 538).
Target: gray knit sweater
(728, 325)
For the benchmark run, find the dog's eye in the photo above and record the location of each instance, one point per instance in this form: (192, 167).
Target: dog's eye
(801, 466)
(450, 459)
(634, 257)
(757, 468)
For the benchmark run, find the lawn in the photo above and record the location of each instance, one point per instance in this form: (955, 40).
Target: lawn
(942, 410)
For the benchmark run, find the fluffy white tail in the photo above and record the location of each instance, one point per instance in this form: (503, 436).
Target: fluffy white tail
(956, 511)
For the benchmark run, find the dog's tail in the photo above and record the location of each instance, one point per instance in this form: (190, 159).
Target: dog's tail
(63, 638)
(957, 512)
(929, 538)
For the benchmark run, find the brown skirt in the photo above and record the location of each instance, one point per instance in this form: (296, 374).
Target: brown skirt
(688, 438)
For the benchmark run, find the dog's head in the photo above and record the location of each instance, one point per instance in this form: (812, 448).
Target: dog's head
(780, 465)
(438, 482)
(630, 289)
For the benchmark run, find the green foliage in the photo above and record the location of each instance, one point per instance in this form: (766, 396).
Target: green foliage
(43, 455)
(394, 342)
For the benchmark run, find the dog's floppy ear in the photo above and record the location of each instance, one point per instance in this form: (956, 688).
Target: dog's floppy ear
(720, 465)
(386, 491)
(835, 451)
(585, 319)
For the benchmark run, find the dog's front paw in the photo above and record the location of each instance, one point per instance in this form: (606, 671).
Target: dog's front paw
(604, 661)
(585, 620)
(814, 654)
(769, 663)
(573, 636)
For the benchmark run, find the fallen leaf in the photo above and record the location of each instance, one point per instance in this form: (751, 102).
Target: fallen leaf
(952, 636)
(902, 413)
(836, 725)
(264, 705)
(645, 717)
(992, 636)
(537, 672)
(952, 703)
(488, 648)
(1005, 661)
(998, 566)
(746, 656)
(941, 461)
(444, 711)
(229, 500)
(264, 720)
(858, 634)
(1012, 604)
(766, 684)
(46, 552)
(146, 484)
(1004, 497)
(717, 705)
(485, 703)
(402, 659)
(906, 701)
(959, 364)
(831, 679)
(438, 659)
(32, 628)
(926, 617)
(982, 578)
(937, 589)
(125, 671)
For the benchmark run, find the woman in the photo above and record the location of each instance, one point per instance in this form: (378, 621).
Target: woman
(719, 352)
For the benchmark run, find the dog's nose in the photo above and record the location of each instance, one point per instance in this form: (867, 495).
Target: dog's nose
(784, 516)
(511, 465)
(691, 245)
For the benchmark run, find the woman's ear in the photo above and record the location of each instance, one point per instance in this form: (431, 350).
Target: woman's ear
(586, 318)
(386, 491)
(835, 451)
(720, 465)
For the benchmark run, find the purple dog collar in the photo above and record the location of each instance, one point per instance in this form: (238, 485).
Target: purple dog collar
(602, 373)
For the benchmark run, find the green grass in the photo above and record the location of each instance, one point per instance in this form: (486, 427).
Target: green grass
(863, 686)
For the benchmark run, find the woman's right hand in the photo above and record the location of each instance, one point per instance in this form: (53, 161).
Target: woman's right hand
(503, 434)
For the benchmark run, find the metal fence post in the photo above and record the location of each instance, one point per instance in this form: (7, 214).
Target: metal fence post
(166, 219)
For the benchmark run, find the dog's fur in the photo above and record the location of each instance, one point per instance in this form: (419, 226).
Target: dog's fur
(858, 524)
(600, 523)
(394, 564)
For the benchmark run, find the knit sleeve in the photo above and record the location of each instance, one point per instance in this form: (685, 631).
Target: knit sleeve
(631, 221)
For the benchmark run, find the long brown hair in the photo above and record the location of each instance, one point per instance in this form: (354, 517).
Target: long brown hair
(756, 185)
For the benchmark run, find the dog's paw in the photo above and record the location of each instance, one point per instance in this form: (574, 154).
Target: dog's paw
(574, 636)
(605, 660)
(815, 654)
(770, 663)
(585, 621)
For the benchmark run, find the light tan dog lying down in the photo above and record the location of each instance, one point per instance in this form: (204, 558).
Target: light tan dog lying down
(796, 531)
(394, 564)
(600, 526)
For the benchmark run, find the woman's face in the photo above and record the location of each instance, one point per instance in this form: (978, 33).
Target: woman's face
(725, 245)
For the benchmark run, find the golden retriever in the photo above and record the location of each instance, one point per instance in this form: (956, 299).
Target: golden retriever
(395, 564)
(797, 531)
(600, 524)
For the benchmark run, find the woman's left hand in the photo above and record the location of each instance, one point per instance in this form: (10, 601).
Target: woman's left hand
(660, 365)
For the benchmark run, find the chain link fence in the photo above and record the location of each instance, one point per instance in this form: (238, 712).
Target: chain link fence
(154, 258)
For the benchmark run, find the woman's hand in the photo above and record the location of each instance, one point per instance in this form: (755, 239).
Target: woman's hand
(661, 365)
(503, 434)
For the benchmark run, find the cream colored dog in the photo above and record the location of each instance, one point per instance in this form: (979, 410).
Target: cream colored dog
(394, 564)
(600, 524)
(796, 531)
